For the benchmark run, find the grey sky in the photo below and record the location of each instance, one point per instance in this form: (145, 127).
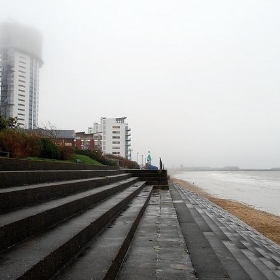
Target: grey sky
(198, 80)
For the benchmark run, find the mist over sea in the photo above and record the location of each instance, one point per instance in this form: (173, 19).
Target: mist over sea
(258, 189)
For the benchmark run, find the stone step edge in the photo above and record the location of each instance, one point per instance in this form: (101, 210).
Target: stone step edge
(18, 178)
(68, 246)
(16, 197)
(38, 219)
(110, 263)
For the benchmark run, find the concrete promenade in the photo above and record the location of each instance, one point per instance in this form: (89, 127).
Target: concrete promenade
(220, 245)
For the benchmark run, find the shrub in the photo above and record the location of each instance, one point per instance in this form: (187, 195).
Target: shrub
(110, 160)
(21, 144)
(34, 145)
(49, 149)
(124, 162)
(8, 123)
(13, 141)
(66, 153)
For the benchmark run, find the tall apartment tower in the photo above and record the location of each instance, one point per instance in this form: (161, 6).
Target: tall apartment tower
(115, 136)
(20, 60)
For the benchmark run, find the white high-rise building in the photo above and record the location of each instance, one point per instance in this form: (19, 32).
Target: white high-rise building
(20, 60)
(115, 136)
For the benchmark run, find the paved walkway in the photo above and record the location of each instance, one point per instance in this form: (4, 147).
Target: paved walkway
(158, 250)
(220, 245)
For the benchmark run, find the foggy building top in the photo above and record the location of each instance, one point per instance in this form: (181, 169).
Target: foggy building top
(22, 38)
(20, 60)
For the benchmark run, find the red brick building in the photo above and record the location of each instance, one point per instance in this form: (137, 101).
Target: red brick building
(84, 141)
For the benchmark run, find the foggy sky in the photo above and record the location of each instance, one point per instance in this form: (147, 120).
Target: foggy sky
(197, 80)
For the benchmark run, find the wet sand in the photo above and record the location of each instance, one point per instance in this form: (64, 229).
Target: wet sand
(265, 223)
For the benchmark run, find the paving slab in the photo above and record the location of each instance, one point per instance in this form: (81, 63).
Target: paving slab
(158, 249)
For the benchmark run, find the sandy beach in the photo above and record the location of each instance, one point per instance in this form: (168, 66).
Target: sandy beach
(265, 223)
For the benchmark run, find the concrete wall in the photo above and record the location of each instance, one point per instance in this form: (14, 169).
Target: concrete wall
(7, 164)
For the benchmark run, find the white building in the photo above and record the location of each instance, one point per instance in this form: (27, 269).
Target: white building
(115, 136)
(20, 60)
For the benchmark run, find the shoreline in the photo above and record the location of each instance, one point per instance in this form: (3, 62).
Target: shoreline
(265, 223)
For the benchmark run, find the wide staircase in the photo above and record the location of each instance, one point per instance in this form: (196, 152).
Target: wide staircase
(71, 222)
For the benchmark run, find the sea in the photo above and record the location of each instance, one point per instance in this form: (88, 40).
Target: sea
(258, 189)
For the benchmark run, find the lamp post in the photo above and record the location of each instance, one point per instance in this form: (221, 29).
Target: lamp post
(137, 157)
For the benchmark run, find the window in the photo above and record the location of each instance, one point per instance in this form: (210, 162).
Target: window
(116, 126)
(116, 142)
(115, 148)
(116, 132)
(116, 137)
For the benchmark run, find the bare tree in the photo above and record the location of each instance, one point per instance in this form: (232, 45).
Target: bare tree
(48, 130)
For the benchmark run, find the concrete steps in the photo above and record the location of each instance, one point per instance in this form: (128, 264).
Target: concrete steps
(18, 225)
(13, 197)
(68, 224)
(28, 177)
(118, 236)
(52, 233)
(152, 177)
(12, 164)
